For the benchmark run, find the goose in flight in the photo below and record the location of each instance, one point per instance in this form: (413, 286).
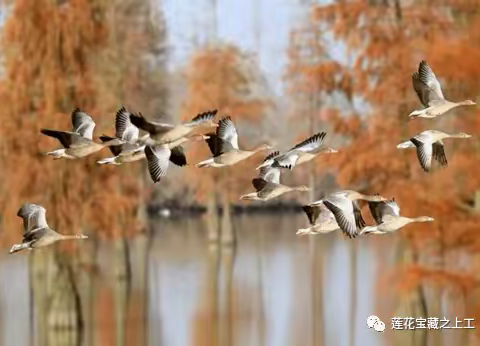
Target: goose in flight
(387, 218)
(166, 133)
(321, 220)
(429, 92)
(158, 157)
(224, 146)
(78, 143)
(300, 153)
(37, 233)
(267, 184)
(429, 145)
(129, 151)
(344, 207)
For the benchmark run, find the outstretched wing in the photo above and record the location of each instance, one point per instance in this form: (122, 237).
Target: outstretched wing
(270, 174)
(312, 211)
(67, 139)
(311, 144)
(424, 153)
(346, 214)
(83, 123)
(124, 129)
(177, 156)
(217, 145)
(149, 126)
(157, 158)
(426, 85)
(380, 209)
(439, 153)
(115, 149)
(226, 130)
(202, 117)
(259, 183)
(33, 216)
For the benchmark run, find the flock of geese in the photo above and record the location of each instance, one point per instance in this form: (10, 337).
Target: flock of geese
(162, 144)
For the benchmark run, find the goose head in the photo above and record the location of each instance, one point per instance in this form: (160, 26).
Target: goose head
(468, 103)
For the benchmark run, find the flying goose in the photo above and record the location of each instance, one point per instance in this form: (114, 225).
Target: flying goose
(387, 218)
(224, 146)
(130, 152)
(343, 205)
(321, 220)
(300, 153)
(267, 184)
(37, 233)
(78, 143)
(166, 133)
(159, 155)
(430, 94)
(134, 148)
(429, 145)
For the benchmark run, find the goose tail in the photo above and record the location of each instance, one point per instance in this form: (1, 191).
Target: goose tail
(368, 229)
(205, 163)
(108, 161)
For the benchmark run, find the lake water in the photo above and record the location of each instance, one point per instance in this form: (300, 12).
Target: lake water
(173, 287)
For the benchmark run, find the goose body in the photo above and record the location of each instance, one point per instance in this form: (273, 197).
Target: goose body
(344, 207)
(165, 133)
(224, 146)
(300, 153)
(321, 220)
(429, 91)
(387, 218)
(37, 233)
(79, 143)
(267, 184)
(429, 146)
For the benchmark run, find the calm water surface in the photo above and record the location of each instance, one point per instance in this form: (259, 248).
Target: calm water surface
(174, 288)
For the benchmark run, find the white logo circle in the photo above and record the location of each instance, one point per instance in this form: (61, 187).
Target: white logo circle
(379, 326)
(371, 321)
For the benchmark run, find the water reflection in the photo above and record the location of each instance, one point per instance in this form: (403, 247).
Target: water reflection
(171, 286)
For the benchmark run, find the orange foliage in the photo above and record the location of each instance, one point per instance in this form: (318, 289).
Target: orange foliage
(58, 57)
(384, 41)
(224, 78)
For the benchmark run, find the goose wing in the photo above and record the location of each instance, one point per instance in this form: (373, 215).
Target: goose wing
(226, 130)
(83, 123)
(67, 139)
(311, 144)
(115, 149)
(439, 153)
(202, 117)
(149, 126)
(259, 183)
(177, 156)
(426, 85)
(347, 214)
(34, 217)
(318, 213)
(270, 174)
(383, 208)
(157, 158)
(217, 145)
(124, 129)
(424, 153)
(312, 211)
(287, 160)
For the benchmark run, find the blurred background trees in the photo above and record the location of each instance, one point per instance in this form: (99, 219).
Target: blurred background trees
(347, 71)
